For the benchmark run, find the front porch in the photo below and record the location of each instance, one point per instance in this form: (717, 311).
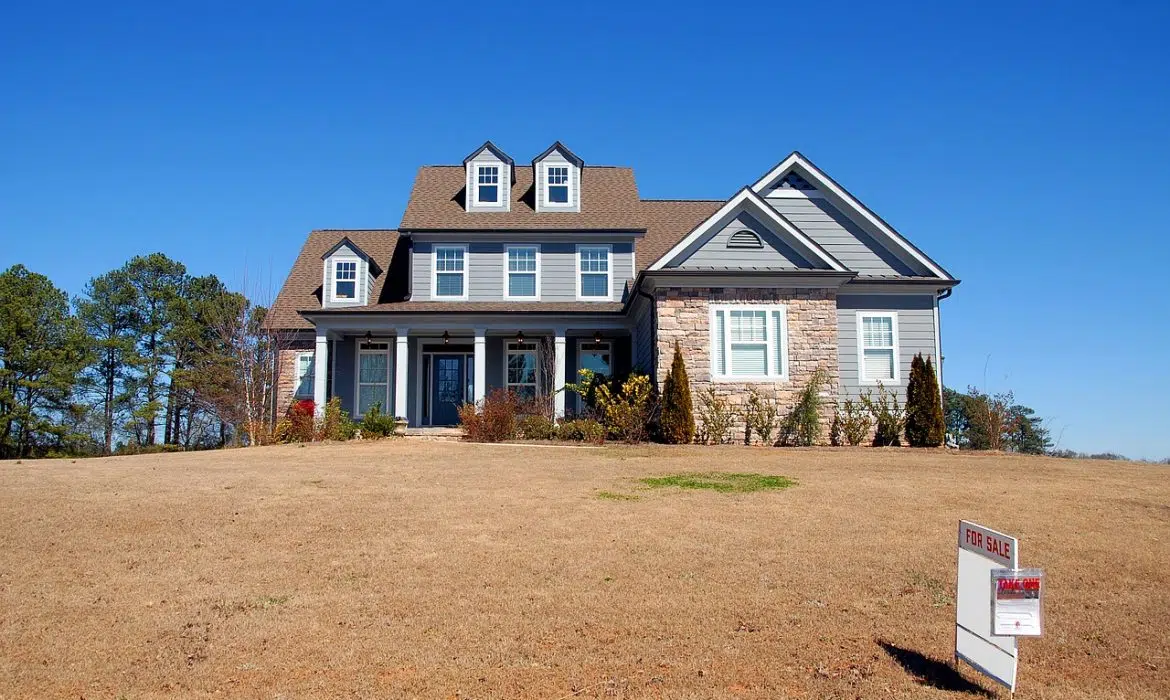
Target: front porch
(425, 373)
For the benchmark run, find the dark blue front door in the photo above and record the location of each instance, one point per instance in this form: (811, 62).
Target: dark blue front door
(447, 388)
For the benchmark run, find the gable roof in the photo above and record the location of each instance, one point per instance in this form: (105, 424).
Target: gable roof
(558, 146)
(747, 199)
(302, 287)
(495, 151)
(796, 162)
(437, 203)
(667, 220)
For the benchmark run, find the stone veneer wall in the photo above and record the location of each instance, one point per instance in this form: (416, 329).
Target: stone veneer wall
(684, 316)
(286, 373)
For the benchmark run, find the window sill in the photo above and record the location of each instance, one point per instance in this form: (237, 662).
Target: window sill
(750, 378)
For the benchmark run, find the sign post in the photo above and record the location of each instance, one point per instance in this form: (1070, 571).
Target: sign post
(982, 550)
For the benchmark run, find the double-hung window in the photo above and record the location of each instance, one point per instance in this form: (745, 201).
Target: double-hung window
(345, 280)
(877, 342)
(450, 276)
(521, 375)
(487, 184)
(305, 373)
(556, 178)
(749, 342)
(593, 281)
(522, 272)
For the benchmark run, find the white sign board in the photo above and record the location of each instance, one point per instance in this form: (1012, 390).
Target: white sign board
(1017, 608)
(980, 551)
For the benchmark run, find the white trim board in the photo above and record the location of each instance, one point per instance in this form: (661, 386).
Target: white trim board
(817, 178)
(767, 216)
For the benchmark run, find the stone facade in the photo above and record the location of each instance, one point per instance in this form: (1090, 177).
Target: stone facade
(684, 316)
(286, 374)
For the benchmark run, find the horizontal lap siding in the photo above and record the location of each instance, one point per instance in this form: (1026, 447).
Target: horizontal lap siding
(643, 346)
(915, 335)
(775, 254)
(842, 238)
(485, 270)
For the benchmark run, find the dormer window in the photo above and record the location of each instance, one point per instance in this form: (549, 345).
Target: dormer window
(487, 189)
(557, 184)
(345, 280)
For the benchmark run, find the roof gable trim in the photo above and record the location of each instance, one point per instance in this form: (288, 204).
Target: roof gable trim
(564, 151)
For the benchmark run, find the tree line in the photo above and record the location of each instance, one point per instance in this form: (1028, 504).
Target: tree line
(148, 357)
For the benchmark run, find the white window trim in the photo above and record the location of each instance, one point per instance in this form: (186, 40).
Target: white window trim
(334, 262)
(357, 372)
(501, 196)
(507, 295)
(581, 343)
(609, 272)
(297, 371)
(435, 296)
(861, 378)
(544, 181)
(769, 335)
(508, 351)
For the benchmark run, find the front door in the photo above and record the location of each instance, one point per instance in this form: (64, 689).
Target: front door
(448, 389)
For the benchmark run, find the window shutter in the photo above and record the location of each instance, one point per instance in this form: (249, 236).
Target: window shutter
(718, 342)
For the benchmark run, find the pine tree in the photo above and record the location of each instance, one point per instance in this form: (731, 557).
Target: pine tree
(678, 416)
(925, 426)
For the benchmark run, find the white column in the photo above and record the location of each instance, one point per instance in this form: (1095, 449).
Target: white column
(401, 362)
(559, 372)
(320, 372)
(480, 366)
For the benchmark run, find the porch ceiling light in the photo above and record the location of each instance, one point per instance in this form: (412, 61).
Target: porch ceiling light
(597, 336)
(519, 336)
(446, 337)
(369, 339)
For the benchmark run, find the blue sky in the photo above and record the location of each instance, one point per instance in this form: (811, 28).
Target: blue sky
(1024, 147)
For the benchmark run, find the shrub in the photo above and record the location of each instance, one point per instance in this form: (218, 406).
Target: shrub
(759, 417)
(336, 424)
(925, 425)
(802, 426)
(855, 422)
(586, 388)
(495, 421)
(835, 429)
(376, 424)
(627, 412)
(298, 423)
(537, 428)
(888, 415)
(582, 430)
(716, 416)
(678, 413)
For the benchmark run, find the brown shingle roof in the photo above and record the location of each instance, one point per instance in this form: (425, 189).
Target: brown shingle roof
(551, 307)
(667, 222)
(609, 201)
(302, 288)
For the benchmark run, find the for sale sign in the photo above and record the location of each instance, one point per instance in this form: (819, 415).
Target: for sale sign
(1017, 605)
(981, 551)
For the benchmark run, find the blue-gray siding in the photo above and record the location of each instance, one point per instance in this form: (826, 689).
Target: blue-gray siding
(841, 237)
(715, 253)
(485, 270)
(915, 335)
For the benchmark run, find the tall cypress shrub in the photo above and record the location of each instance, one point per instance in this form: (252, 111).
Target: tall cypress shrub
(678, 414)
(925, 426)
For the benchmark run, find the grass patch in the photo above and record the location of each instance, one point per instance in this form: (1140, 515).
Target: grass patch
(614, 496)
(720, 481)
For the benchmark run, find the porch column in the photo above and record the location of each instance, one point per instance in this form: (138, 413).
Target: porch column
(559, 372)
(320, 372)
(401, 362)
(480, 387)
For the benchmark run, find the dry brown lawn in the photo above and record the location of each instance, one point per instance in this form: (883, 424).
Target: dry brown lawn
(423, 569)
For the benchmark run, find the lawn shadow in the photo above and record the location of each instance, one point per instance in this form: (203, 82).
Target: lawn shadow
(932, 672)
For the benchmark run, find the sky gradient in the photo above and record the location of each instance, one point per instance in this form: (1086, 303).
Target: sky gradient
(1024, 148)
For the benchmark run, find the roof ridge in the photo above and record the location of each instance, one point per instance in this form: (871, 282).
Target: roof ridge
(350, 230)
(681, 199)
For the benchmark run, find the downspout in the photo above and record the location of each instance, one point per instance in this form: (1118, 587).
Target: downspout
(938, 343)
(653, 330)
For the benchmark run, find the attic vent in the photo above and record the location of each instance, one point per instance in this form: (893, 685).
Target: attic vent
(744, 239)
(792, 181)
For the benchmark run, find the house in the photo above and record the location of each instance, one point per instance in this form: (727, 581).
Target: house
(519, 275)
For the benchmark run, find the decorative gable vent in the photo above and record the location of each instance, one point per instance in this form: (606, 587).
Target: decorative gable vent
(745, 239)
(792, 181)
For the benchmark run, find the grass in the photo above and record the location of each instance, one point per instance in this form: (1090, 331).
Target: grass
(722, 482)
(430, 569)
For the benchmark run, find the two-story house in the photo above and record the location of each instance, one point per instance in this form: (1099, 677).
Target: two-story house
(498, 270)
